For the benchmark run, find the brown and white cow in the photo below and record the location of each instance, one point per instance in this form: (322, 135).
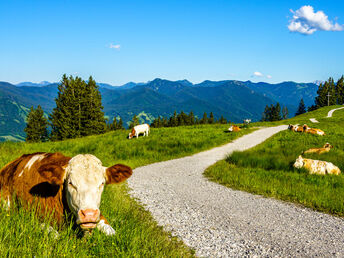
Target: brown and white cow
(316, 131)
(326, 148)
(316, 166)
(234, 128)
(139, 129)
(60, 184)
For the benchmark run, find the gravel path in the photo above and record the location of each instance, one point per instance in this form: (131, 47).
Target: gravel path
(313, 120)
(330, 113)
(219, 222)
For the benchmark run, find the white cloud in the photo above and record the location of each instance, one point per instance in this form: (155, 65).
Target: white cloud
(257, 74)
(306, 21)
(117, 46)
(269, 76)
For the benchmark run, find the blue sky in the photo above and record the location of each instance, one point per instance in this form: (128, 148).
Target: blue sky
(121, 41)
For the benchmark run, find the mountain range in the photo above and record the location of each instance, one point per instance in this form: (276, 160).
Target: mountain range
(235, 100)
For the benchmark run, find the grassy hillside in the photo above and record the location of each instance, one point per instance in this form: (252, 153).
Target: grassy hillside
(137, 233)
(268, 169)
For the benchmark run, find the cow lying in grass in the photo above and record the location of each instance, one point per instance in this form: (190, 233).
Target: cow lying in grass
(317, 166)
(62, 184)
(139, 129)
(234, 128)
(295, 128)
(307, 129)
(326, 148)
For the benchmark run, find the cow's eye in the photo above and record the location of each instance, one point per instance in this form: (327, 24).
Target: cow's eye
(101, 186)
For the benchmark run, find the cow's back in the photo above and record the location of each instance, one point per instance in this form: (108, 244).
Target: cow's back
(22, 179)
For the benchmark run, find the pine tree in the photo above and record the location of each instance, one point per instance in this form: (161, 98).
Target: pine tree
(211, 118)
(204, 120)
(78, 110)
(191, 118)
(134, 122)
(301, 109)
(36, 127)
(222, 120)
(120, 124)
(340, 91)
(285, 112)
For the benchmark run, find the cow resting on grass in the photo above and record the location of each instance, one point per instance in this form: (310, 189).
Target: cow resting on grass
(307, 129)
(234, 128)
(62, 184)
(144, 128)
(317, 166)
(326, 148)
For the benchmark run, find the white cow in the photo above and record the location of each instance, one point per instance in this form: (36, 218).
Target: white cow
(144, 128)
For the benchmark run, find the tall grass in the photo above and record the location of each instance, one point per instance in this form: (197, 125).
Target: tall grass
(137, 235)
(268, 168)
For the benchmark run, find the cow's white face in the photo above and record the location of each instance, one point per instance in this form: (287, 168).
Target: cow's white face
(230, 128)
(84, 184)
(299, 162)
(84, 178)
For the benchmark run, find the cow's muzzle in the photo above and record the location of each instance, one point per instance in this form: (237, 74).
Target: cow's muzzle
(88, 218)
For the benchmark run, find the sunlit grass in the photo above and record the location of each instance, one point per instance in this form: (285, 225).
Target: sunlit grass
(267, 169)
(137, 234)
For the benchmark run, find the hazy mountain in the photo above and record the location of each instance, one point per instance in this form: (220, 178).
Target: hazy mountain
(40, 84)
(235, 100)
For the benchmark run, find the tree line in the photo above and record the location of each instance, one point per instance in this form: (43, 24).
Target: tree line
(183, 119)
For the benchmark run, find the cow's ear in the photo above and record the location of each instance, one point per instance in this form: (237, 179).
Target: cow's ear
(117, 173)
(54, 174)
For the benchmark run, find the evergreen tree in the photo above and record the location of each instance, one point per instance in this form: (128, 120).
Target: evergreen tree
(204, 120)
(301, 109)
(276, 110)
(266, 114)
(211, 118)
(285, 112)
(135, 121)
(222, 120)
(340, 91)
(120, 124)
(36, 127)
(312, 108)
(78, 110)
(191, 118)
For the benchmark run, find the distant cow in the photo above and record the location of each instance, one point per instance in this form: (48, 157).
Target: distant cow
(144, 128)
(307, 129)
(60, 184)
(317, 166)
(247, 121)
(326, 148)
(295, 128)
(234, 128)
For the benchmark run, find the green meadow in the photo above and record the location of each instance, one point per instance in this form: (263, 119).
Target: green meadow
(267, 169)
(137, 234)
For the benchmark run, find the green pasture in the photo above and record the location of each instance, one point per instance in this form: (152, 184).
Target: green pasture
(137, 234)
(267, 169)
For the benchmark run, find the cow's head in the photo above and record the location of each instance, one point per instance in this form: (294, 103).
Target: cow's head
(230, 128)
(132, 133)
(299, 162)
(327, 145)
(84, 178)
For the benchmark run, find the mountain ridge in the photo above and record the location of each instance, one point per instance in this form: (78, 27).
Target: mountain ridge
(235, 100)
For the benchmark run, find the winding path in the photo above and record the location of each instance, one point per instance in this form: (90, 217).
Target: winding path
(330, 113)
(219, 222)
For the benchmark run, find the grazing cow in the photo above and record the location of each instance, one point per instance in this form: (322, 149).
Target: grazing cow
(326, 148)
(144, 128)
(317, 166)
(60, 184)
(291, 127)
(307, 129)
(234, 128)
(247, 121)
